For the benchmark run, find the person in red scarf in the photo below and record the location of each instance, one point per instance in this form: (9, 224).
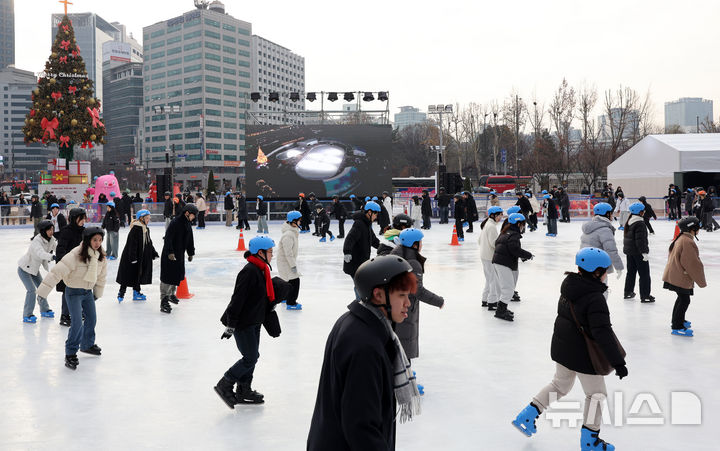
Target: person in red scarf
(253, 298)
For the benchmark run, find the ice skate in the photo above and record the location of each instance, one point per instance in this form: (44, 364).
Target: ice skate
(294, 307)
(246, 395)
(120, 297)
(48, 314)
(65, 320)
(526, 421)
(224, 389)
(30, 319)
(94, 350)
(492, 306)
(589, 441)
(165, 306)
(687, 324)
(686, 332)
(629, 295)
(516, 297)
(484, 304)
(71, 361)
(322, 240)
(332, 238)
(138, 296)
(173, 299)
(648, 300)
(502, 312)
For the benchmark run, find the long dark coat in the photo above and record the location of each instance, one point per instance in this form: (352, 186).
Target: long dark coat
(358, 242)
(139, 249)
(178, 240)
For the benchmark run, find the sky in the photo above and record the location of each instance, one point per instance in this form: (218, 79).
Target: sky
(454, 51)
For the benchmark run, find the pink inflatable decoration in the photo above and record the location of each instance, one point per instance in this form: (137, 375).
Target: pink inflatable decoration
(105, 185)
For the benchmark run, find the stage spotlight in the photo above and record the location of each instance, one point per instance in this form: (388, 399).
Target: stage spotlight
(349, 97)
(254, 96)
(332, 96)
(274, 97)
(448, 108)
(382, 96)
(431, 108)
(294, 96)
(368, 97)
(311, 97)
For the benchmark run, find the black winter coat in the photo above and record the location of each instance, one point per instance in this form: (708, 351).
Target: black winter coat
(635, 239)
(707, 206)
(242, 207)
(460, 210)
(524, 204)
(261, 208)
(36, 210)
(568, 345)
(358, 242)
(357, 204)
(338, 210)
(648, 212)
(168, 210)
(61, 221)
(355, 405)
(443, 199)
(508, 249)
(323, 221)
(426, 206)
(564, 200)
(471, 209)
(140, 250)
(179, 206)
(178, 240)
(551, 209)
(68, 238)
(126, 202)
(111, 222)
(229, 205)
(384, 217)
(249, 303)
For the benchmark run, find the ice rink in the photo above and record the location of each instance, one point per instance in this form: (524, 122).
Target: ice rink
(153, 386)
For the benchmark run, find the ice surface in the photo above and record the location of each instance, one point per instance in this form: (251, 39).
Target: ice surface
(152, 387)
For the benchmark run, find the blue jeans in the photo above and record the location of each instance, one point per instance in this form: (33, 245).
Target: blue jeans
(111, 244)
(552, 226)
(444, 214)
(248, 342)
(31, 283)
(81, 333)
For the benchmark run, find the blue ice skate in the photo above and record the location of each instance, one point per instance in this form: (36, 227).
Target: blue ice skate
(110, 257)
(683, 332)
(294, 306)
(48, 314)
(30, 319)
(461, 239)
(120, 297)
(687, 324)
(322, 240)
(589, 441)
(332, 238)
(621, 228)
(137, 296)
(526, 420)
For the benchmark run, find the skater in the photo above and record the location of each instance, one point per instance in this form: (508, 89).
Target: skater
(443, 203)
(178, 205)
(582, 316)
(636, 248)
(648, 213)
(365, 372)
(69, 238)
(242, 211)
(126, 212)
(83, 270)
(493, 199)
(488, 236)
(287, 253)
(111, 224)
(621, 209)
(261, 210)
(356, 248)
(409, 330)
(36, 213)
(471, 209)
(177, 241)
(384, 218)
(505, 262)
(304, 210)
(338, 210)
(564, 201)
(689, 199)
(323, 221)
(600, 234)
(426, 209)
(459, 214)
(415, 212)
(168, 209)
(248, 308)
(391, 236)
(551, 215)
(672, 203)
(136, 261)
(229, 207)
(707, 208)
(357, 203)
(535, 205)
(388, 204)
(40, 253)
(202, 208)
(58, 219)
(525, 208)
(683, 270)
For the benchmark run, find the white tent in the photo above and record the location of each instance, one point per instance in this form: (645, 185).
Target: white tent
(650, 165)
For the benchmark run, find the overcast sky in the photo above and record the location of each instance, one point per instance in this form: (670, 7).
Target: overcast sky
(454, 50)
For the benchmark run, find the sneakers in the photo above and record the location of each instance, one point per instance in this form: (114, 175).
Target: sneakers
(30, 319)
(94, 350)
(683, 332)
(629, 295)
(648, 300)
(294, 307)
(48, 314)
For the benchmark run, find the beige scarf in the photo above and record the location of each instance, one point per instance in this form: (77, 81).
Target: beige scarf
(91, 274)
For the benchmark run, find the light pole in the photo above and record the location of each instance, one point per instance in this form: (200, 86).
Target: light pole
(167, 110)
(517, 133)
(440, 110)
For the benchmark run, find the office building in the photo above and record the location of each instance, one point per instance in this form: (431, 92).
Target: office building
(7, 33)
(275, 68)
(408, 115)
(688, 113)
(200, 63)
(122, 108)
(609, 129)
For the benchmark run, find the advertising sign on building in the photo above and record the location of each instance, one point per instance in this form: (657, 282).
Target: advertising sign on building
(116, 51)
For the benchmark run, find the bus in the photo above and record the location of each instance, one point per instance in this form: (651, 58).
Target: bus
(502, 183)
(414, 185)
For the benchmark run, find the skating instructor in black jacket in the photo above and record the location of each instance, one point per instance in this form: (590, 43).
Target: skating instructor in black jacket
(360, 238)
(365, 370)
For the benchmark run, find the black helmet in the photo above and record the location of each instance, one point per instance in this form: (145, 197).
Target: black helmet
(311, 195)
(191, 208)
(386, 193)
(167, 193)
(457, 196)
(90, 232)
(44, 226)
(377, 272)
(76, 213)
(319, 207)
(336, 197)
(402, 221)
(689, 223)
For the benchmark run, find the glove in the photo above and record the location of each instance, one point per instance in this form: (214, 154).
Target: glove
(347, 258)
(229, 331)
(171, 257)
(645, 257)
(621, 371)
(620, 274)
(190, 257)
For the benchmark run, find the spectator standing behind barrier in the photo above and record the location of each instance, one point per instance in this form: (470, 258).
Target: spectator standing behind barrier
(443, 202)
(426, 209)
(229, 206)
(202, 208)
(564, 205)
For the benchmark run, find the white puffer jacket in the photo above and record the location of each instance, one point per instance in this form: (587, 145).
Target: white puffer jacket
(39, 253)
(287, 252)
(200, 204)
(388, 206)
(488, 236)
(71, 270)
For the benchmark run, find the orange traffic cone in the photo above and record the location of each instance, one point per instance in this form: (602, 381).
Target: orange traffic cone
(677, 230)
(182, 291)
(454, 241)
(241, 242)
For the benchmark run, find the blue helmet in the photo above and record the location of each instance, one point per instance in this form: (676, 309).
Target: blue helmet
(515, 218)
(352, 196)
(260, 197)
(410, 236)
(367, 199)
(110, 204)
(590, 259)
(142, 213)
(492, 191)
(112, 193)
(494, 209)
(374, 198)
(636, 208)
(293, 215)
(72, 202)
(544, 191)
(261, 242)
(602, 208)
(513, 209)
(370, 205)
(528, 194)
(546, 196)
(228, 193)
(54, 206)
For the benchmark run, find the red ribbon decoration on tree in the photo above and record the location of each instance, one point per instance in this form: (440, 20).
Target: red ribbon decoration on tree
(65, 28)
(74, 53)
(87, 145)
(56, 96)
(72, 89)
(49, 127)
(32, 113)
(63, 59)
(64, 140)
(65, 44)
(95, 114)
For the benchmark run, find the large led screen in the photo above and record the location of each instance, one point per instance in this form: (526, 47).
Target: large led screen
(282, 161)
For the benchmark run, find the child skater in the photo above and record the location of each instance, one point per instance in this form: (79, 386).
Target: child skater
(505, 261)
(488, 236)
(682, 271)
(111, 224)
(648, 214)
(323, 221)
(622, 209)
(40, 253)
(136, 261)
(287, 253)
(551, 215)
(637, 250)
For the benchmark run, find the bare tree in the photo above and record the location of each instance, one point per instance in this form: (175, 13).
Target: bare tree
(620, 114)
(515, 115)
(561, 111)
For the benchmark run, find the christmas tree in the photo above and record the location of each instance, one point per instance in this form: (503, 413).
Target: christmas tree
(64, 110)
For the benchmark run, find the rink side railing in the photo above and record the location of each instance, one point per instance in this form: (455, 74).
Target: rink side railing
(580, 207)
